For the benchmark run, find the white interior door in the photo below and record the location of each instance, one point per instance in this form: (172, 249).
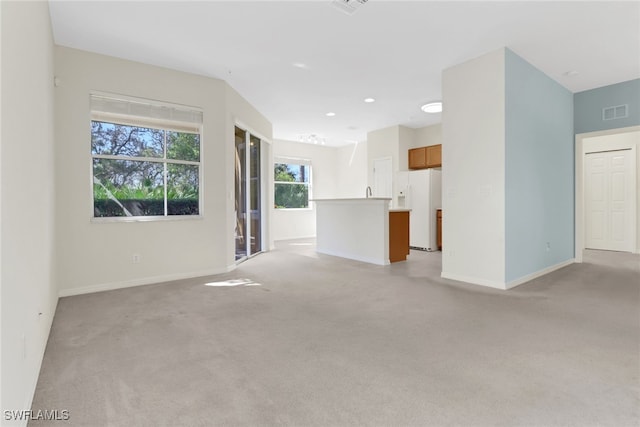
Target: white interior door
(610, 200)
(382, 181)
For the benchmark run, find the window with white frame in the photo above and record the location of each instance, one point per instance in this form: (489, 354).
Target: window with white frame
(146, 158)
(291, 183)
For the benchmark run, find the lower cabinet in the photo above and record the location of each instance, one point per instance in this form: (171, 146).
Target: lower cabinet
(398, 235)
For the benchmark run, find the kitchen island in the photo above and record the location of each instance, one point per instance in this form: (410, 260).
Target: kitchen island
(359, 229)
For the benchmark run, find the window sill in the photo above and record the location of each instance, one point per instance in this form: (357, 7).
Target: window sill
(102, 220)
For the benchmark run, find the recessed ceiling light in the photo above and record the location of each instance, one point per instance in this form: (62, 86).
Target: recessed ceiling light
(300, 65)
(571, 73)
(369, 100)
(432, 107)
(331, 114)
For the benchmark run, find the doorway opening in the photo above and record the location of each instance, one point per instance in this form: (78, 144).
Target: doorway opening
(248, 195)
(607, 186)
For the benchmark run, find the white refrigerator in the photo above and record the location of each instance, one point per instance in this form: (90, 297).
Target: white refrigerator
(422, 193)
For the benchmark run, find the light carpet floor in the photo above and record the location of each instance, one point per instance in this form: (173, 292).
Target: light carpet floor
(324, 341)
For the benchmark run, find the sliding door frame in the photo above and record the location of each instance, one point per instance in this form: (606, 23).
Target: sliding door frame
(264, 150)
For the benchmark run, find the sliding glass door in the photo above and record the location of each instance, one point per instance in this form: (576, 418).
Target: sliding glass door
(248, 201)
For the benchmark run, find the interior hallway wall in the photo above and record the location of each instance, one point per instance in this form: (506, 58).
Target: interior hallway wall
(508, 181)
(539, 177)
(473, 175)
(28, 293)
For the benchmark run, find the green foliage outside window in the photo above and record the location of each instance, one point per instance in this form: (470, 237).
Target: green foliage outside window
(131, 171)
(291, 186)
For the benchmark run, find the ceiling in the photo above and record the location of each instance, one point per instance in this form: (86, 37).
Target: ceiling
(295, 61)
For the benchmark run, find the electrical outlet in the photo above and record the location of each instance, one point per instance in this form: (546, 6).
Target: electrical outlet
(135, 258)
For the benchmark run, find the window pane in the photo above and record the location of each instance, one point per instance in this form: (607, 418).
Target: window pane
(291, 196)
(123, 140)
(288, 172)
(182, 189)
(127, 188)
(183, 146)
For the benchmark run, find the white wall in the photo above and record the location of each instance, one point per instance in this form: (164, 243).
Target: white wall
(27, 216)
(298, 223)
(97, 255)
(428, 135)
(383, 143)
(351, 173)
(414, 138)
(406, 140)
(473, 141)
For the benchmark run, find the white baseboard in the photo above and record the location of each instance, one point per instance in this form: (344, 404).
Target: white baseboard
(508, 285)
(101, 287)
(40, 356)
(370, 260)
(473, 280)
(294, 238)
(539, 273)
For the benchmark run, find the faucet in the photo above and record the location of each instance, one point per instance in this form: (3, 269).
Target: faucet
(368, 192)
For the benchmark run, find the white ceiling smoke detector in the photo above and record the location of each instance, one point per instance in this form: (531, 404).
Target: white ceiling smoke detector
(348, 6)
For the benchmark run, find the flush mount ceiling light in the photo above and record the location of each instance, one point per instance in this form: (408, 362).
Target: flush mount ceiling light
(432, 107)
(369, 100)
(330, 114)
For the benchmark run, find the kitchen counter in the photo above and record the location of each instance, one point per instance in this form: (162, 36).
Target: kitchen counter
(351, 199)
(358, 229)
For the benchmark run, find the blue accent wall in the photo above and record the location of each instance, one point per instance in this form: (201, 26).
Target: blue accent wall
(588, 106)
(539, 170)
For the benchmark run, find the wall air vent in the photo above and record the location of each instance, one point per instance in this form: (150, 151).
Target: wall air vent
(617, 112)
(348, 6)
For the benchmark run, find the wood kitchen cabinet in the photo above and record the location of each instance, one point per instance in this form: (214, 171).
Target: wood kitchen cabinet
(398, 235)
(425, 157)
(418, 158)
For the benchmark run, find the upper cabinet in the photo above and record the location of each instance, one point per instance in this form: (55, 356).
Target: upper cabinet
(418, 158)
(425, 157)
(434, 156)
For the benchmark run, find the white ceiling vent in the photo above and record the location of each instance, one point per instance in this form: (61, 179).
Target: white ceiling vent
(348, 6)
(617, 112)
